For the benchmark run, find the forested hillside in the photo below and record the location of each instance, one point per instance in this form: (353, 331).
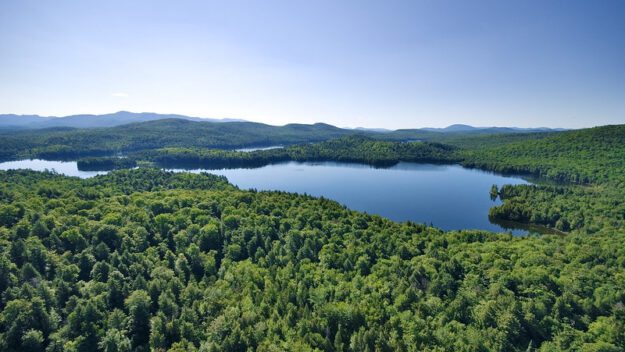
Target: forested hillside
(149, 260)
(17, 122)
(145, 259)
(594, 155)
(588, 167)
(73, 143)
(68, 143)
(354, 149)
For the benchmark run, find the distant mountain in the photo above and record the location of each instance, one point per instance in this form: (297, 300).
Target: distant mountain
(28, 122)
(92, 121)
(378, 130)
(63, 142)
(68, 142)
(460, 128)
(451, 128)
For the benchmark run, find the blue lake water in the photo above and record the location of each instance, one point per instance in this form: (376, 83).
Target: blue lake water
(69, 168)
(447, 196)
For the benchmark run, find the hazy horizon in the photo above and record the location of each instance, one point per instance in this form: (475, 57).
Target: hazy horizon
(405, 64)
(324, 122)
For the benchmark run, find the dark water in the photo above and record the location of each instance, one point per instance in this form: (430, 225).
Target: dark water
(448, 196)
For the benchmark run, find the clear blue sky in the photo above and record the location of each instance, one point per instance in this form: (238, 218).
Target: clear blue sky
(390, 64)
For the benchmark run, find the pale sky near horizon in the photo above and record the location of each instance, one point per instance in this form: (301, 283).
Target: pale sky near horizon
(390, 64)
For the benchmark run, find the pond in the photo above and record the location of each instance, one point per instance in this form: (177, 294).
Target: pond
(447, 196)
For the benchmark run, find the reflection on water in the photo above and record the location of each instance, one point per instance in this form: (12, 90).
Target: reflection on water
(69, 168)
(447, 196)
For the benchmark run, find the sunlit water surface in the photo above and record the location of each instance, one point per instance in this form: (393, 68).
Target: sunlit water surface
(447, 196)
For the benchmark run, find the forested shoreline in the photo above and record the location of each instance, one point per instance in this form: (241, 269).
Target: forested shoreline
(70, 144)
(351, 149)
(586, 166)
(62, 143)
(312, 176)
(143, 259)
(147, 259)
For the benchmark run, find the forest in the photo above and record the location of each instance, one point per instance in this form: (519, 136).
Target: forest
(579, 174)
(312, 176)
(70, 143)
(64, 143)
(587, 173)
(145, 259)
(353, 149)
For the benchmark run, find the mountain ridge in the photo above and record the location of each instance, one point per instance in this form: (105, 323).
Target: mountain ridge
(32, 122)
(13, 121)
(462, 128)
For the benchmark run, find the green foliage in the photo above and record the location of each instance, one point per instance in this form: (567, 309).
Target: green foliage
(69, 143)
(585, 156)
(105, 163)
(146, 259)
(75, 143)
(149, 260)
(587, 170)
(354, 149)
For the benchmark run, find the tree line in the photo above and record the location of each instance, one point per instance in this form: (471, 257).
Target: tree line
(145, 259)
(586, 170)
(353, 149)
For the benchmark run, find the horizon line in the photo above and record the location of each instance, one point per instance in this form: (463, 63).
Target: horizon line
(237, 119)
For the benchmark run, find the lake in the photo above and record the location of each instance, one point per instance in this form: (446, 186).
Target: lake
(447, 196)
(69, 168)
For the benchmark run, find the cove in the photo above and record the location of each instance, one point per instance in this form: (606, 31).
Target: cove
(447, 196)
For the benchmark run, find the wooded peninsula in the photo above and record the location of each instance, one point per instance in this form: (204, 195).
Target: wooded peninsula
(145, 259)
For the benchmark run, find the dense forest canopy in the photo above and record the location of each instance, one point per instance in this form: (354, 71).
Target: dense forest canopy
(589, 157)
(70, 143)
(354, 149)
(587, 165)
(586, 168)
(594, 155)
(145, 259)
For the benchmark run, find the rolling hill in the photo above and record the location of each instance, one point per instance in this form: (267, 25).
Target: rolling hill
(10, 121)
